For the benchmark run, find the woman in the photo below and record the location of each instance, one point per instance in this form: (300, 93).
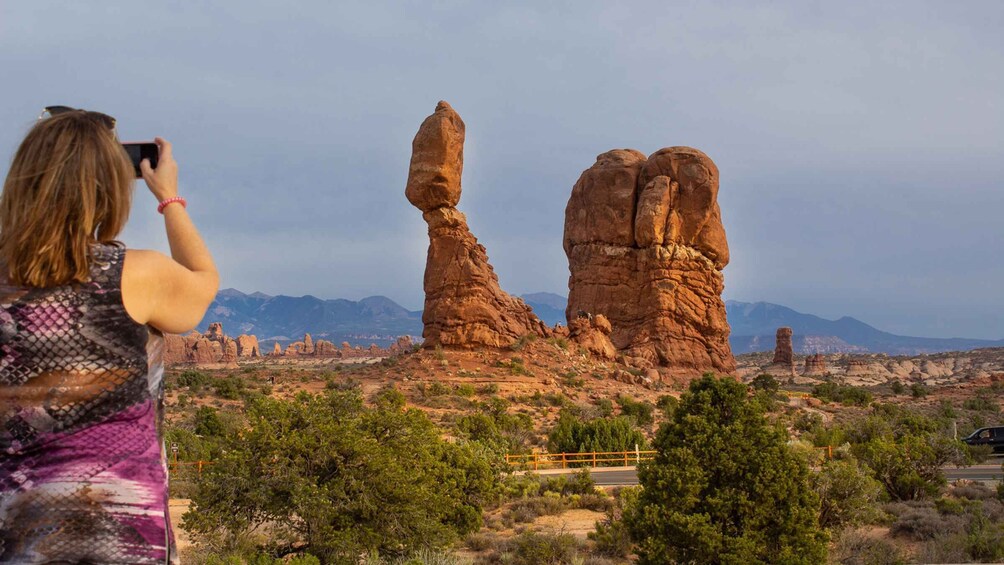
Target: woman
(82, 465)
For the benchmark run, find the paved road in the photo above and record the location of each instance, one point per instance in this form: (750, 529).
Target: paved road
(619, 476)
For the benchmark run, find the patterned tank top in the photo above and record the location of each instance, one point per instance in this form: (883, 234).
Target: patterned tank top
(83, 475)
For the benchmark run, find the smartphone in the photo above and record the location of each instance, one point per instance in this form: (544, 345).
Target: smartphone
(140, 150)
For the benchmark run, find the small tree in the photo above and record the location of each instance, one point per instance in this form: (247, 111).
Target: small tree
(725, 486)
(331, 478)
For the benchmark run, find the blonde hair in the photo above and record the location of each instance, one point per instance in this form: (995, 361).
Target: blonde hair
(69, 186)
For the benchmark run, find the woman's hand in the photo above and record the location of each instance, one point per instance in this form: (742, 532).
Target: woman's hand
(162, 181)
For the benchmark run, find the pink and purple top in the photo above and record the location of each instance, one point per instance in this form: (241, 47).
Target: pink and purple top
(83, 475)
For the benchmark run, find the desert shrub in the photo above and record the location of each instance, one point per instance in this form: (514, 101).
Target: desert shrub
(976, 454)
(527, 510)
(606, 407)
(948, 505)
(980, 404)
(612, 536)
(918, 390)
(897, 387)
(314, 468)
(488, 389)
(945, 548)
(667, 405)
(209, 422)
(984, 538)
(523, 340)
(844, 394)
(765, 383)
(847, 494)
(532, 548)
(559, 342)
(572, 435)
(515, 366)
(479, 541)
(924, 523)
(725, 486)
(465, 390)
(194, 380)
(807, 421)
(639, 411)
(595, 502)
(492, 426)
(581, 483)
(230, 387)
(854, 547)
(573, 381)
(973, 491)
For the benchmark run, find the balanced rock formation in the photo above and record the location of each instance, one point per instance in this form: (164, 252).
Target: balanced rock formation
(646, 248)
(464, 305)
(815, 364)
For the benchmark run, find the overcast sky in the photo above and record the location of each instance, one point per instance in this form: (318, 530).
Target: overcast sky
(861, 144)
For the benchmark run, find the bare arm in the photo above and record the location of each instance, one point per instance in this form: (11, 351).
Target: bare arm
(170, 293)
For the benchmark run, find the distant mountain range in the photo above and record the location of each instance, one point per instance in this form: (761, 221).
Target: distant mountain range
(755, 323)
(380, 320)
(376, 319)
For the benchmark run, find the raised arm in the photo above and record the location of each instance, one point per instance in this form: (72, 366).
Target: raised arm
(169, 293)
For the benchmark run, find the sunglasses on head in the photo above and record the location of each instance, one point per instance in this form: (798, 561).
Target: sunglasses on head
(56, 110)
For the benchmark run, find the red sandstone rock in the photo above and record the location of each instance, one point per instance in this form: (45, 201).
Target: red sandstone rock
(215, 332)
(815, 364)
(295, 348)
(646, 248)
(247, 346)
(174, 349)
(308, 344)
(324, 348)
(593, 335)
(277, 350)
(464, 305)
(782, 347)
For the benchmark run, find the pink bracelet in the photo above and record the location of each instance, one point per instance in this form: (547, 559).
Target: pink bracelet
(163, 204)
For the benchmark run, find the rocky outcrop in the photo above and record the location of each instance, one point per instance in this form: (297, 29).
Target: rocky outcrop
(247, 346)
(646, 248)
(464, 305)
(593, 334)
(277, 350)
(308, 345)
(324, 348)
(783, 354)
(815, 364)
(213, 347)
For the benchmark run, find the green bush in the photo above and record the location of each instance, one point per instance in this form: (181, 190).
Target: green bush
(667, 405)
(918, 390)
(194, 380)
(639, 411)
(847, 494)
(337, 479)
(612, 536)
(725, 486)
(898, 387)
(980, 404)
(532, 548)
(847, 395)
(765, 383)
(572, 435)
